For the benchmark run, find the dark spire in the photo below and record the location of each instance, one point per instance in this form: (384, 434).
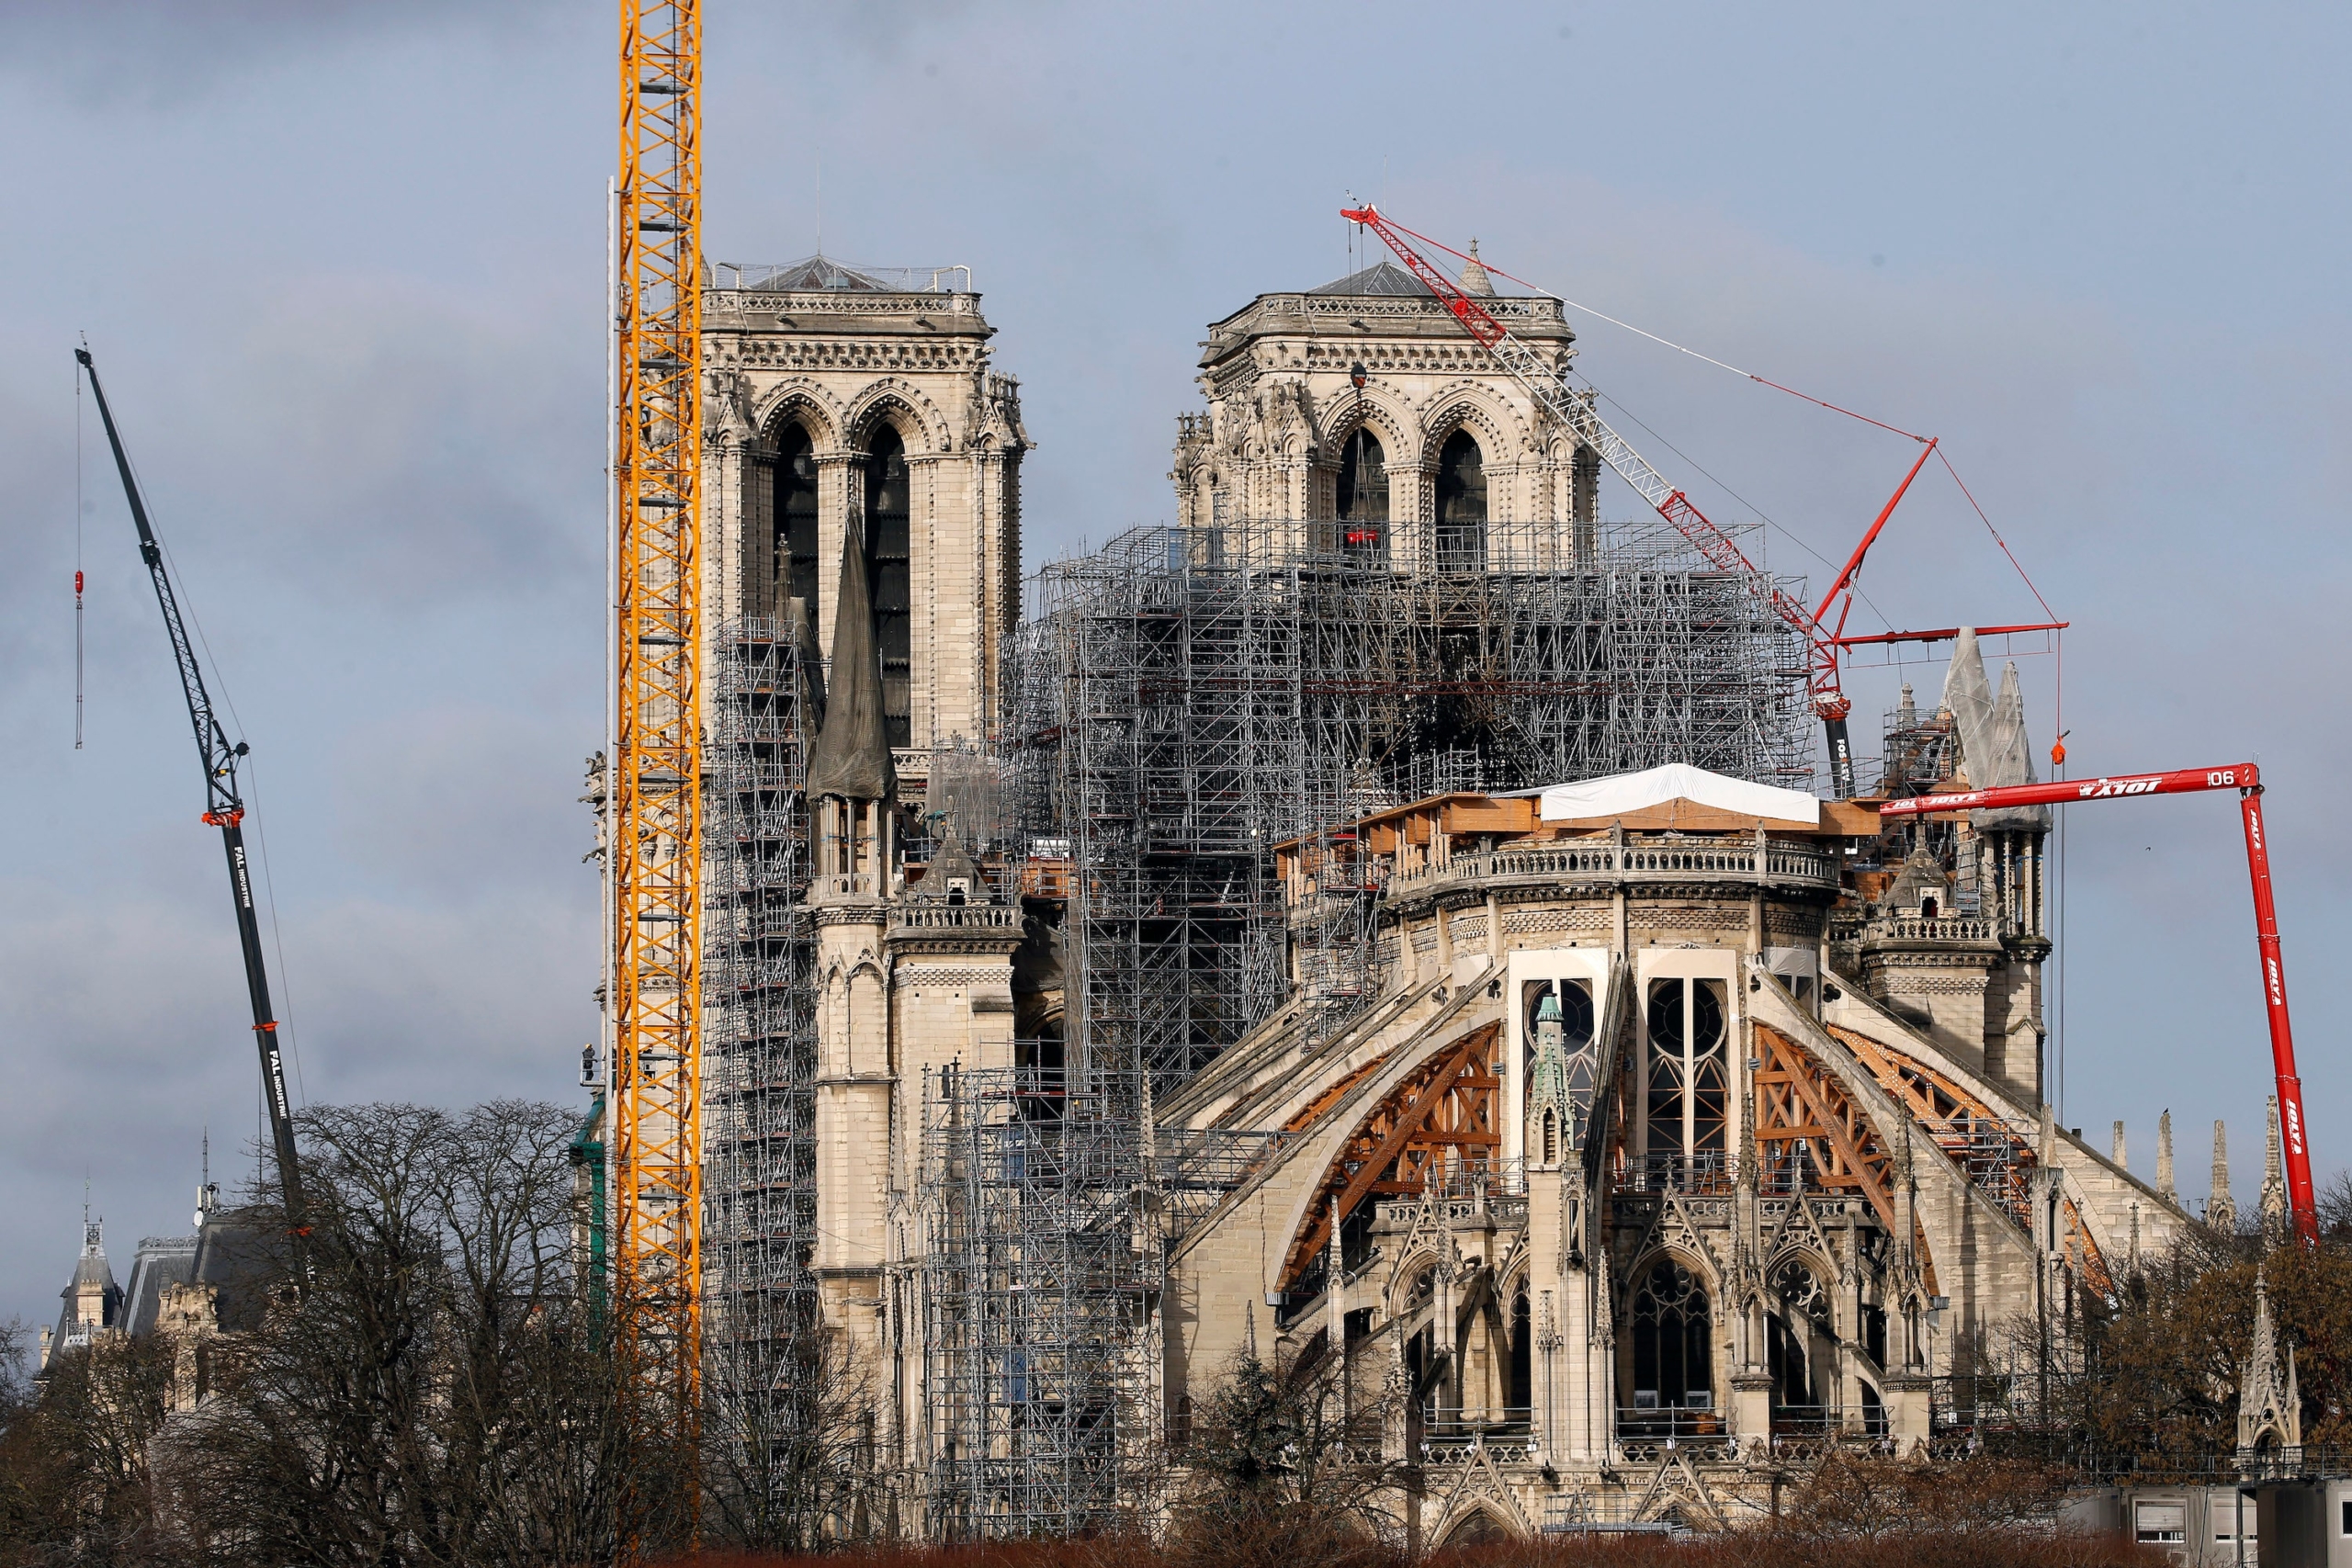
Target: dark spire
(852, 758)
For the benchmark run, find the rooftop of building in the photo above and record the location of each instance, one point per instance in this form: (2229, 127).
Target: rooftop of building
(161, 1262)
(821, 274)
(1675, 798)
(834, 299)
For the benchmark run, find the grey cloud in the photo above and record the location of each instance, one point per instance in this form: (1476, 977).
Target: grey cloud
(393, 443)
(520, 777)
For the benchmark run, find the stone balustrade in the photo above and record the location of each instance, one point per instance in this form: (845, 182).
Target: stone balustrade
(954, 917)
(1772, 863)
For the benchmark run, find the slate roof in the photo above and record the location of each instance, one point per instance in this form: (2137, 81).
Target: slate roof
(1387, 278)
(160, 1261)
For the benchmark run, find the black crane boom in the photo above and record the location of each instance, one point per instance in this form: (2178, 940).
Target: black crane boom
(224, 809)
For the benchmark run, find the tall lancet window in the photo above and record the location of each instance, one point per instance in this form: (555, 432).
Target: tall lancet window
(1673, 1341)
(796, 516)
(1363, 496)
(1461, 504)
(889, 575)
(1688, 1082)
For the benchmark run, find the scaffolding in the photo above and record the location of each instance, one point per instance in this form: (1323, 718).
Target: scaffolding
(1179, 703)
(1041, 1268)
(760, 1192)
(1185, 699)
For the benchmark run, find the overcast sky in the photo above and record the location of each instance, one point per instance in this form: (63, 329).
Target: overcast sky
(343, 264)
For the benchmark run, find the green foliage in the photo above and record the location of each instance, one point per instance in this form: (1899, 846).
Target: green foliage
(1282, 1467)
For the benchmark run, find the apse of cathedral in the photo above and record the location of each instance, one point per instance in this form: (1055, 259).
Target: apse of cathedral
(1102, 997)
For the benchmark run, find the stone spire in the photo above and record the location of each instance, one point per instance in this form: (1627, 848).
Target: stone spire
(2274, 1180)
(2221, 1209)
(2271, 1411)
(800, 630)
(852, 758)
(1547, 1088)
(1968, 697)
(92, 1299)
(2115, 1148)
(1474, 278)
(2164, 1187)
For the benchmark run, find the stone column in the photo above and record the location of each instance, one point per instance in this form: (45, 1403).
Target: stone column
(854, 1094)
(1546, 1253)
(1906, 1388)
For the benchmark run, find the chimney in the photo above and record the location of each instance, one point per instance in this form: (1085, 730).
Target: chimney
(2116, 1147)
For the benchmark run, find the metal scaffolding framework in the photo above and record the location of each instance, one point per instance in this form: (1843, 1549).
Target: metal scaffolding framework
(1185, 699)
(760, 1224)
(1042, 1263)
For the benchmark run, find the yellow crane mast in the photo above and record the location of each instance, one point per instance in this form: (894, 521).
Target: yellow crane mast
(654, 842)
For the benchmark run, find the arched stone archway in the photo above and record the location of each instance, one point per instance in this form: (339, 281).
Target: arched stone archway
(1462, 510)
(1479, 1527)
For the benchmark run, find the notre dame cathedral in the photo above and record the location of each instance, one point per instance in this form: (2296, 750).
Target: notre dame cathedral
(1381, 923)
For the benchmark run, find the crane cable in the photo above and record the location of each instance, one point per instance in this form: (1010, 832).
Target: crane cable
(2058, 674)
(77, 555)
(1760, 380)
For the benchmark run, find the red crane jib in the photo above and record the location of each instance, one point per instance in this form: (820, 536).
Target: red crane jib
(2246, 779)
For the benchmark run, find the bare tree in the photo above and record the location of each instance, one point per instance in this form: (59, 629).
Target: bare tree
(790, 1462)
(77, 1482)
(1847, 1494)
(430, 1384)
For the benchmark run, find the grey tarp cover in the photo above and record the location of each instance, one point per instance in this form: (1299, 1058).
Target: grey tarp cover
(852, 757)
(1992, 734)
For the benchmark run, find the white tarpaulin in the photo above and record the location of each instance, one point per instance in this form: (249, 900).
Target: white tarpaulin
(1622, 792)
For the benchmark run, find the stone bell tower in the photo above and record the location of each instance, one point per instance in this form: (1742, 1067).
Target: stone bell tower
(844, 404)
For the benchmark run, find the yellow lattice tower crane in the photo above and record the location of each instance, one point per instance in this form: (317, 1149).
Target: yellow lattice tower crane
(654, 838)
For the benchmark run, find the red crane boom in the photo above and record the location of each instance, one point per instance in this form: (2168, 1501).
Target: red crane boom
(2246, 780)
(1576, 410)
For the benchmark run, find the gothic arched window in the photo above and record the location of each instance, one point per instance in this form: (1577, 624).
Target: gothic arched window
(1688, 1080)
(1804, 1318)
(795, 514)
(1673, 1340)
(1363, 496)
(1461, 504)
(889, 579)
